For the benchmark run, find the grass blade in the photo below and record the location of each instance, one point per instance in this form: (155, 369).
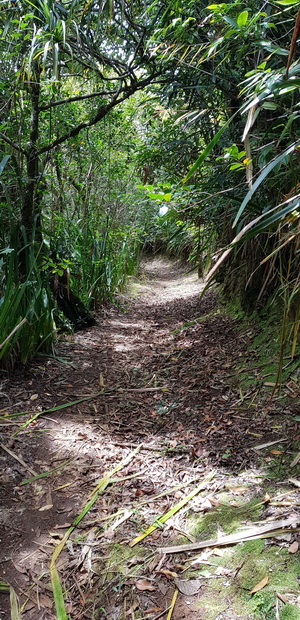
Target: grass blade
(15, 613)
(158, 522)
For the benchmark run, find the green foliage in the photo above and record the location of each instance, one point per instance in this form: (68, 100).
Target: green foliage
(26, 321)
(208, 94)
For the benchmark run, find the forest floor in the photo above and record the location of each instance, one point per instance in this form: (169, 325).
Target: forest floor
(161, 414)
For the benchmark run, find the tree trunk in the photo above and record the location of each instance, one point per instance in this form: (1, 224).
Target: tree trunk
(31, 202)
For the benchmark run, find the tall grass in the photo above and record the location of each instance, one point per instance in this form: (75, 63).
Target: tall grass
(100, 255)
(26, 320)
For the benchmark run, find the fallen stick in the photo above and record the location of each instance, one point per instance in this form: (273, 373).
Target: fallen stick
(264, 531)
(19, 459)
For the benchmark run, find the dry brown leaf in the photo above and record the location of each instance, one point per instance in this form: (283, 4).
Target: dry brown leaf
(281, 597)
(133, 608)
(276, 451)
(34, 396)
(218, 552)
(45, 601)
(238, 490)
(189, 587)
(293, 548)
(170, 574)
(206, 504)
(144, 584)
(259, 586)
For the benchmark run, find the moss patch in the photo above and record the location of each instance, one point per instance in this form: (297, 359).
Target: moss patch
(227, 518)
(249, 563)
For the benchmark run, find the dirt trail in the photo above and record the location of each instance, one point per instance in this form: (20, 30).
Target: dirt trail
(158, 373)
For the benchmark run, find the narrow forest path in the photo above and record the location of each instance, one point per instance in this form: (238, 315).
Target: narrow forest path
(158, 375)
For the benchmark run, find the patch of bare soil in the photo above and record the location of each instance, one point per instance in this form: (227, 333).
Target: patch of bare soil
(158, 373)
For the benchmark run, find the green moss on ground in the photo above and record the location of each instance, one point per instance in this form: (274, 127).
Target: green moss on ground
(290, 612)
(226, 517)
(250, 562)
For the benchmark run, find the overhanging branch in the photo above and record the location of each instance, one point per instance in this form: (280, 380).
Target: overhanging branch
(121, 95)
(54, 104)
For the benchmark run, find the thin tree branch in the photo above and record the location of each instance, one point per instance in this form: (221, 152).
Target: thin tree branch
(101, 112)
(12, 144)
(54, 104)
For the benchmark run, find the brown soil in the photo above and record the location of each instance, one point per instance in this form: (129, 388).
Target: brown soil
(150, 381)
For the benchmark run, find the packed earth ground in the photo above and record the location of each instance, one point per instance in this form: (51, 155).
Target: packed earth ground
(165, 393)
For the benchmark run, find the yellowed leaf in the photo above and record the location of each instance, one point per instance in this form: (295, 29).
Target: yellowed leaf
(294, 547)
(144, 584)
(259, 586)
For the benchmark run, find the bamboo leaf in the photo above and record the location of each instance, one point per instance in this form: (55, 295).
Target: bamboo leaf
(14, 605)
(163, 518)
(101, 486)
(3, 163)
(208, 149)
(61, 613)
(286, 2)
(174, 599)
(262, 177)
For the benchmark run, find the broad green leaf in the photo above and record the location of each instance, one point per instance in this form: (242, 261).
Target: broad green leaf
(161, 197)
(261, 178)
(287, 2)
(242, 19)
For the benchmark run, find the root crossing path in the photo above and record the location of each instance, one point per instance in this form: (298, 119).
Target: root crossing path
(148, 396)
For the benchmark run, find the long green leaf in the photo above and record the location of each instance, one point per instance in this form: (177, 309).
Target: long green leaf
(208, 149)
(261, 178)
(61, 613)
(4, 162)
(14, 605)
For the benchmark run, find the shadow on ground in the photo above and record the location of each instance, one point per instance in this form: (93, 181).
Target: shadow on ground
(159, 370)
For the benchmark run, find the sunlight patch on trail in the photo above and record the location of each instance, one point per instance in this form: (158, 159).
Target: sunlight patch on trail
(162, 280)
